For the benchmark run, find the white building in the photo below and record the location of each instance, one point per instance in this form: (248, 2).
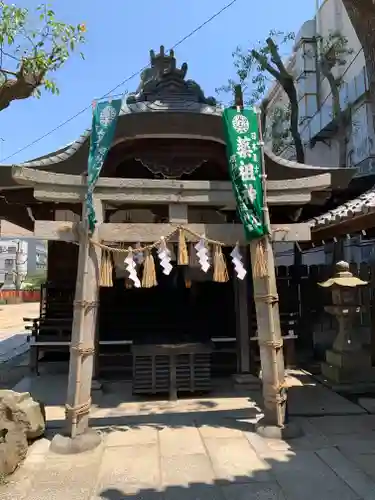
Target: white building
(317, 127)
(20, 258)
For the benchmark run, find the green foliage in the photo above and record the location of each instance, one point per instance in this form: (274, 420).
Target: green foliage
(32, 46)
(257, 67)
(277, 129)
(34, 282)
(332, 53)
(334, 49)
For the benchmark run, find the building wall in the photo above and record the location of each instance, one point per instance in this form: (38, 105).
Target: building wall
(315, 107)
(315, 102)
(23, 257)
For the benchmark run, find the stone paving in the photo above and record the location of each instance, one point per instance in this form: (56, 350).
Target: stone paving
(204, 449)
(13, 338)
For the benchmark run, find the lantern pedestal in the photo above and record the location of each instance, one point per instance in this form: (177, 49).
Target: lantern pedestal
(349, 372)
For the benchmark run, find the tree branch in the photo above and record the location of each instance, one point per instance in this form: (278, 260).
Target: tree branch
(262, 60)
(20, 87)
(276, 59)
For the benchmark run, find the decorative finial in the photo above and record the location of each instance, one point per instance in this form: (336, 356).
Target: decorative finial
(342, 266)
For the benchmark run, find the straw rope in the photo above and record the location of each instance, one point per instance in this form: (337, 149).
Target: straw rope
(77, 411)
(167, 237)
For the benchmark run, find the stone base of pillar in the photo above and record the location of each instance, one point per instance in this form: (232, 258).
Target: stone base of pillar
(246, 380)
(64, 445)
(288, 431)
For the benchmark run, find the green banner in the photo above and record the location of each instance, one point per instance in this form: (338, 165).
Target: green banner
(244, 159)
(103, 129)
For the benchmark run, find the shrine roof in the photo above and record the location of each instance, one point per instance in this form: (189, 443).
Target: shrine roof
(360, 206)
(169, 105)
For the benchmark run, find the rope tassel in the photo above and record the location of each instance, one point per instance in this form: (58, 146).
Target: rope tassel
(260, 264)
(183, 257)
(149, 272)
(220, 267)
(106, 269)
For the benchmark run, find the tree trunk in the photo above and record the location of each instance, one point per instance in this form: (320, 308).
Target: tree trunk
(326, 69)
(362, 17)
(290, 89)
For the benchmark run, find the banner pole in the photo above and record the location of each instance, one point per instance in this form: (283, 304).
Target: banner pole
(273, 424)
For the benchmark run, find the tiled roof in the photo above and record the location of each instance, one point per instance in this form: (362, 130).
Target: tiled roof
(172, 105)
(358, 206)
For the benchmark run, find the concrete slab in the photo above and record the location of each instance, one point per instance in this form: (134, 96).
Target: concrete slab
(193, 492)
(13, 345)
(233, 460)
(199, 449)
(368, 404)
(172, 444)
(335, 425)
(351, 475)
(219, 431)
(267, 491)
(129, 468)
(365, 462)
(303, 475)
(315, 400)
(186, 469)
(131, 436)
(119, 494)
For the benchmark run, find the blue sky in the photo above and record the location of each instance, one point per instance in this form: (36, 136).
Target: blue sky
(119, 37)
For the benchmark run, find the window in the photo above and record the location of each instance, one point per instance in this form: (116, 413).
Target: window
(12, 249)
(8, 277)
(9, 262)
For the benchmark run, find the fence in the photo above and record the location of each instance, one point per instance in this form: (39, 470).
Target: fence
(14, 296)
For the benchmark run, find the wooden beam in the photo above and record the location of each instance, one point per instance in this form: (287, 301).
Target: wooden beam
(211, 197)
(146, 233)
(16, 214)
(49, 186)
(33, 177)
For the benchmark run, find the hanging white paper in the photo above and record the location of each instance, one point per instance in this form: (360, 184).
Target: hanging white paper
(165, 258)
(131, 269)
(237, 263)
(202, 254)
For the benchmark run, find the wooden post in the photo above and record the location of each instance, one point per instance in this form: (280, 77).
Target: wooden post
(269, 332)
(242, 327)
(82, 343)
(269, 338)
(243, 375)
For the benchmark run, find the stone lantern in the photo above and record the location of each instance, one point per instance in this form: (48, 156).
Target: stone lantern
(348, 365)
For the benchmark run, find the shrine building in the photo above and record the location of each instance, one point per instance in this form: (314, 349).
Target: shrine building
(167, 167)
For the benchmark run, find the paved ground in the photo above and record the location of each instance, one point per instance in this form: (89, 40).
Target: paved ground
(13, 339)
(203, 449)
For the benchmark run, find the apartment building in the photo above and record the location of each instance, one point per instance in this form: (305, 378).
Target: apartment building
(20, 258)
(316, 118)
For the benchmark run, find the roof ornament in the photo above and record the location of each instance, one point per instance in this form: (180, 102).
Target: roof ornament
(163, 81)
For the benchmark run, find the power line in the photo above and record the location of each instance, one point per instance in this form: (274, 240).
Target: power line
(110, 92)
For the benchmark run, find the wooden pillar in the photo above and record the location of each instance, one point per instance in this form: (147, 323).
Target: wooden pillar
(270, 341)
(84, 329)
(273, 424)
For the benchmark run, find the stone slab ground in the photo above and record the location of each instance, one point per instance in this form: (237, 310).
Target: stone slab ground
(202, 449)
(13, 337)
